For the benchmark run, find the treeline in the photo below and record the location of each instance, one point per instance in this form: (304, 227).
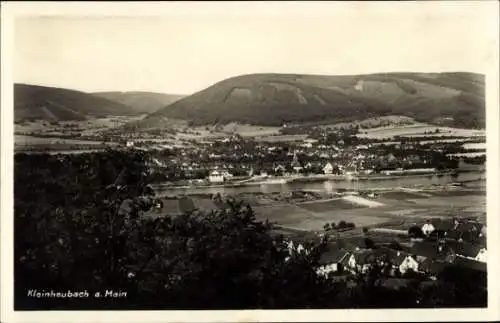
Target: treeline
(78, 226)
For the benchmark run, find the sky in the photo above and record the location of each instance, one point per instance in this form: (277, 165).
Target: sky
(183, 52)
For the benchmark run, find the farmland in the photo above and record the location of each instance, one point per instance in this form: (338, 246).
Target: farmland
(397, 206)
(397, 209)
(418, 130)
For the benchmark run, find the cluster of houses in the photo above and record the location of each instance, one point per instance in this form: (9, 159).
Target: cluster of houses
(238, 155)
(427, 256)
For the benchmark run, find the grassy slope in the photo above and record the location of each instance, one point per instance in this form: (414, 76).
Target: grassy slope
(141, 102)
(271, 99)
(53, 104)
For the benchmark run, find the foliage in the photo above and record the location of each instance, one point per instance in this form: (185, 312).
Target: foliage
(416, 232)
(80, 225)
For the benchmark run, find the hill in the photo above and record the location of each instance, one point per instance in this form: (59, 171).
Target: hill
(274, 99)
(141, 102)
(32, 102)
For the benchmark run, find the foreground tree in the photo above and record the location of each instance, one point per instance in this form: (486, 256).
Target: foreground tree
(79, 225)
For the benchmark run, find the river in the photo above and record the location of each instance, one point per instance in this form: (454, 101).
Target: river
(470, 178)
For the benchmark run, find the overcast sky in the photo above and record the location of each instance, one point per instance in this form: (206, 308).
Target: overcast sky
(183, 53)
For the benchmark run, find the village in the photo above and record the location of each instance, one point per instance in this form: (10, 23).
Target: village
(327, 155)
(427, 250)
(423, 243)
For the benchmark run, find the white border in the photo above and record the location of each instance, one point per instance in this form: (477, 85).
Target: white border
(11, 10)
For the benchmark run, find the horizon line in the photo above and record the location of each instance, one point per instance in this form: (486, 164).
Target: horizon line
(240, 75)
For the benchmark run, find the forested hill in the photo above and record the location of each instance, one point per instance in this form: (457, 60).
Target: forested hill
(33, 102)
(141, 102)
(274, 99)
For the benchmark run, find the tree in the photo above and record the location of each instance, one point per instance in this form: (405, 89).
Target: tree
(79, 225)
(369, 243)
(416, 232)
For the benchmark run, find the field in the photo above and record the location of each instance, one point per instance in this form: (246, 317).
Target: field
(21, 140)
(373, 122)
(418, 130)
(281, 138)
(84, 127)
(396, 209)
(400, 209)
(331, 205)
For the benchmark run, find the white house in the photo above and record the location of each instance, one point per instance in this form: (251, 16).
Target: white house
(408, 263)
(216, 177)
(130, 144)
(333, 263)
(358, 262)
(427, 228)
(279, 168)
(481, 256)
(225, 174)
(292, 248)
(328, 169)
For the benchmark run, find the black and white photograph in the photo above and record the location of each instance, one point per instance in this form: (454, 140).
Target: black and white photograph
(251, 156)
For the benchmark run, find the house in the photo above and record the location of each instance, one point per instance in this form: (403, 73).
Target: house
(331, 262)
(359, 261)
(328, 168)
(468, 250)
(407, 263)
(362, 147)
(444, 225)
(291, 247)
(216, 177)
(427, 228)
(226, 174)
(280, 169)
(427, 250)
(481, 256)
(482, 233)
(129, 144)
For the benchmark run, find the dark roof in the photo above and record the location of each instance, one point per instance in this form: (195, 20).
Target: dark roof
(471, 264)
(426, 249)
(466, 249)
(363, 256)
(334, 257)
(470, 226)
(443, 224)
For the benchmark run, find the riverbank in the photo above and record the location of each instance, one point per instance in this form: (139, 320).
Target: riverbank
(283, 180)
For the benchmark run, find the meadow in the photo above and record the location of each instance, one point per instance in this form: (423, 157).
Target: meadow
(398, 208)
(418, 130)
